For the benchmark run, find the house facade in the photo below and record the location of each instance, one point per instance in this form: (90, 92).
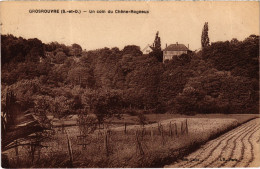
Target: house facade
(174, 50)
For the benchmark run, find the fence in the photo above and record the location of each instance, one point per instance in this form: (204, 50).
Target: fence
(109, 143)
(165, 131)
(171, 128)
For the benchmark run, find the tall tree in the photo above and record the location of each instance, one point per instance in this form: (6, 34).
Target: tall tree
(205, 36)
(156, 48)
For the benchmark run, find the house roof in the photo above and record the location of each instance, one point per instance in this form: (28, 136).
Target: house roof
(176, 47)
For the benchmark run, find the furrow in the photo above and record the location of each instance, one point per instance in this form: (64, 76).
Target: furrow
(256, 149)
(196, 154)
(252, 157)
(228, 146)
(228, 154)
(240, 152)
(205, 154)
(258, 140)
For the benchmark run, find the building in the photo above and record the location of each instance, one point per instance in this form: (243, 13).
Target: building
(174, 50)
(147, 50)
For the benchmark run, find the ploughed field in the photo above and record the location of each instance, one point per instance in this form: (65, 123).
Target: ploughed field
(236, 148)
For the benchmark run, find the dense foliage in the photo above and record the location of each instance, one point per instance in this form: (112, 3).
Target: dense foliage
(62, 80)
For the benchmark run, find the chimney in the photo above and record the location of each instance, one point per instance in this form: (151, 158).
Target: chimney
(176, 43)
(188, 46)
(166, 45)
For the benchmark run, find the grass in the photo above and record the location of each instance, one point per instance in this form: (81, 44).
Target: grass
(123, 148)
(155, 118)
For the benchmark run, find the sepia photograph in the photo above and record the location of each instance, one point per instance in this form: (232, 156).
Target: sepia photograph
(135, 84)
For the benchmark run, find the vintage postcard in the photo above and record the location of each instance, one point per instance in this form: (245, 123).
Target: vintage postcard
(136, 84)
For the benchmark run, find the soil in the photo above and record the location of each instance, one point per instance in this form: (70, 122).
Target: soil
(236, 148)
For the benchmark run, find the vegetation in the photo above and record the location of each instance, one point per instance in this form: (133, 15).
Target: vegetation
(123, 151)
(205, 36)
(156, 48)
(99, 85)
(222, 78)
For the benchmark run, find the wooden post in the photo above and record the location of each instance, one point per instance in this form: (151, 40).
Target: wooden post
(62, 127)
(181, 127)
(106, 143)
(138, 144)
(176, 129)
(152, 134)
(136, 138)
(109, 132)
(162, 135)
(32, 151)
(187, 130)
(70, 149)
(170, 129)
(39, 154)
(125, 127)
(143, 131)
(16, 152)
(159, 128)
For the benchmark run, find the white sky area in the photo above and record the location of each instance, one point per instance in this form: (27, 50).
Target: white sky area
(180, 22)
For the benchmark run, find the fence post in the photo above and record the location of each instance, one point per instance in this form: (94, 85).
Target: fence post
(16, 152)
(152, 134)
(109, 132)
(138, 144)
(62, 127)
(182, 127)
(39, 154)
(159, 127)
(70, 149)
(125, 127)
(187, 130)
(170, 129)
(106, 143)
(143, 131)
(162, 135)
(176, 129)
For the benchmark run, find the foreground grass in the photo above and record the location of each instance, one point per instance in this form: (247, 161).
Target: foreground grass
(123, 150)
(155, 118)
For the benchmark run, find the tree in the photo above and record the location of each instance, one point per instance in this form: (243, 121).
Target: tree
(106, 104)
(7, 117)
(156, 48)
(36, 50)
(189, 100)
(218, 92)
(60, 106)
(81, 76)
(142, 80)
(205, 36)
(239, 57)
(76, 50)
(133, 50)
(60, 57)
(25, 91)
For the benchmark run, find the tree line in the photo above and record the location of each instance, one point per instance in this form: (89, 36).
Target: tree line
(62, 80)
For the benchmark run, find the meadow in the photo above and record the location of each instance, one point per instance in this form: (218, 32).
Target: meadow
(168, 138)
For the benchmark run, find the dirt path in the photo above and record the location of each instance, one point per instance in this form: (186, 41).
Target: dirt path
(237, 148)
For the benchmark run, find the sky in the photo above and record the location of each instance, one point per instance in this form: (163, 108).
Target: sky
(180, 22)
